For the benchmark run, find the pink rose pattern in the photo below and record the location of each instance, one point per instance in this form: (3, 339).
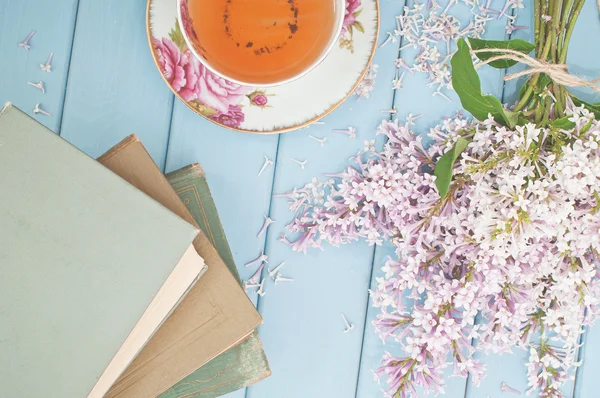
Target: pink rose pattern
(171, 62)
(351, 24)
(192, 81)
(218, 93)
(258, 98)
(232, 118)
(351, 7)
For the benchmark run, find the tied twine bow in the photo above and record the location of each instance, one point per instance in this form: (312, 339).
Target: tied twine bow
(557, 72)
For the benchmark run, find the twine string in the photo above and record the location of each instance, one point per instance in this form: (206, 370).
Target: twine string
(559, 73)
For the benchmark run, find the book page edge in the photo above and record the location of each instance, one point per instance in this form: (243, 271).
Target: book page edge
(185, 273)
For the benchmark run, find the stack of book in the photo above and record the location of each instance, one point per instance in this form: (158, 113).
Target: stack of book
(115, 280)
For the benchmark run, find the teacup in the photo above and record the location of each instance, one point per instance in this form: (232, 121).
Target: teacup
(261, 43)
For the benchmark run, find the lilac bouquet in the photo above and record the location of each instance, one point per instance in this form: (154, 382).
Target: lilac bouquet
(495, 224)
(514, 243)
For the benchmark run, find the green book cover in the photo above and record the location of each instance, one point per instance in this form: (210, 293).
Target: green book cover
(246, 363)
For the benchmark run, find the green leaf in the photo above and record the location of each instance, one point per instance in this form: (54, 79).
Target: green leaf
(357, 13)
(594, 108)
(467, 85)
(177, 37)
(349, 28)
(444, 166)
(515, 44)
(563, 123)
(359, 26)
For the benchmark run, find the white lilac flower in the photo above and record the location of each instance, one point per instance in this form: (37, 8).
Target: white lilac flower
(25, 43)
(367, 84)
(515, 244)
(47, 67)
(350, 131)
(39, 85)
(432, 31)
(265, 165)
(397, 81)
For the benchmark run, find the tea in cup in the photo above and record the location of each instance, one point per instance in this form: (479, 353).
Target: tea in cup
(261, 42)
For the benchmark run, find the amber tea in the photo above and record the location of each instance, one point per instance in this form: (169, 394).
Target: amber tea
(262, 41)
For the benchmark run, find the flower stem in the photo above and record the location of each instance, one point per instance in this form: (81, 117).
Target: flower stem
(546, 111)
(567, 5)
(539, 112)
(556, 17)
(541, 11)
(559, 105)
(551, 45)
(573, 15)
(537, 23)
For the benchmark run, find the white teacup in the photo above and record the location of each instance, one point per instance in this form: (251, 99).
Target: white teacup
(194, 42)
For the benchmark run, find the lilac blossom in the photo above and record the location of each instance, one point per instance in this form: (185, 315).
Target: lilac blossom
(509, 256)
(432, 31)
(367, 84)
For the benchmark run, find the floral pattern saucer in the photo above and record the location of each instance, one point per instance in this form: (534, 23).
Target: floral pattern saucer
(272, 110)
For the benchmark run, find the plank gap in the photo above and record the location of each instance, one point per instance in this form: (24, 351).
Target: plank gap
(365, 323)
(164, 165)
(64, 96)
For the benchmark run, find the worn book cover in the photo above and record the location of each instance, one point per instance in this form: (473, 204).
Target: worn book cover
(212, 318)
(89, 266)
(246, 363)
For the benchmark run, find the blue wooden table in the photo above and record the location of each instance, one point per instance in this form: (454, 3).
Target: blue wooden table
(104, 86)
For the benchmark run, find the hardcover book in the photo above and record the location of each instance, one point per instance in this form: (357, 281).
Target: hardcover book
(246, 363)
(212, 318)
(89, 266)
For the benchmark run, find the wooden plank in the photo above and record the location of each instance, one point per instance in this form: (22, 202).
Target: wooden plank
(509, 368)
(583, 59)
(114, 88)
(231, 161)
(416, 98)
(374, 348)
(586, 381)
(303, 329)
(506, 368)
(54, 23)
(584, 51)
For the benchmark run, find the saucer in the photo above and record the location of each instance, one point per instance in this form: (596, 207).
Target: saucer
(270, 110)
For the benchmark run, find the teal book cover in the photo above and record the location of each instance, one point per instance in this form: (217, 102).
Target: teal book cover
(246, 363)
(83, 256)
